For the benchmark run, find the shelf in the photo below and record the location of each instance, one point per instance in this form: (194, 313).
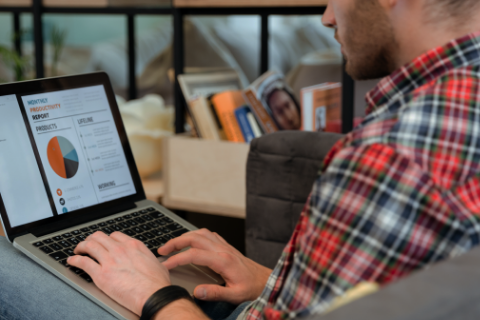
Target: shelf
(247, 3)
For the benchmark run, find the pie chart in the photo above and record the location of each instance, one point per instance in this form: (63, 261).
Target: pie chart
(63, 157)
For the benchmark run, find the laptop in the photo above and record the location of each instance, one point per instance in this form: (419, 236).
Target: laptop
(67, 171)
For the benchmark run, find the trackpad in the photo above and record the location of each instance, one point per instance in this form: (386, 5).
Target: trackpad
(190, 276)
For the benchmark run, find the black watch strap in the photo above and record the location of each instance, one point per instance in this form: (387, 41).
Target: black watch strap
(161, 298)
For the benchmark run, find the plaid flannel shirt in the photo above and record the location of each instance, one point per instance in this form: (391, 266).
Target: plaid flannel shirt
(400, 192)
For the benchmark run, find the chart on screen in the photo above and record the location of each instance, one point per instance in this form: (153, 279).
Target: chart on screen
(63, 157)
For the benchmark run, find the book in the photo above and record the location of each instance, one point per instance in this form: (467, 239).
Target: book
(209, 83)
(254, 125)
(242, 118)
(273, 103)
(321, 107)
(225, 104)
(205, 120)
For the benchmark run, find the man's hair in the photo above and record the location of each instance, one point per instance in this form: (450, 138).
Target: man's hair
(445, 9)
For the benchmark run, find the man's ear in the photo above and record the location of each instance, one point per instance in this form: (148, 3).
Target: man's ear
(389, 4)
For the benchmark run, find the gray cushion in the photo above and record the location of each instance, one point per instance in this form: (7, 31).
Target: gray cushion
(281, 170)
(449, 290)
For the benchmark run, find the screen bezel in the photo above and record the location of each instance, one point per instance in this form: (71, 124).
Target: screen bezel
(65, 83)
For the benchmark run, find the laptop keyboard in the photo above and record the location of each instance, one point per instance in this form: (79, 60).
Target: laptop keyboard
(151, 227)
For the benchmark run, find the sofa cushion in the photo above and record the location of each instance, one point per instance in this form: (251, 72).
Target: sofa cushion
(281, 169)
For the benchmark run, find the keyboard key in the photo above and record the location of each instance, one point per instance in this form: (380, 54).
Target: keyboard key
(137, 230)
(140, 237)
(145, 227)
(38, 244)
(93, 227)
(154, 243)
(143, 211)
(162, 240)
(108, 230)
(48, 241)
(129, 232)
(116, 227)
(58, 256)
(158, 233)
(150, 209)
(153, 224)
(111, 221)
(135, 214)
(76, 232)
(148, 218)
(64, 263)
(124, 225)
(127, 216)
(168, 237)
(174, 227)
(164, 230)
(102, 224)
(69, 252)
(86, 277)
(148, 245)
(178, 233)
(67, 235)
(149, 235)
(119, 219)
(156, 215)
(47, 250)
(81, 238)
(86, 234)
(73, 241)
(155, 252)
(139, 220)
(65, 244)
(76, 270)
(55, 247)
(57, 238)
(132, 223)
(167, 219)
(85, 229)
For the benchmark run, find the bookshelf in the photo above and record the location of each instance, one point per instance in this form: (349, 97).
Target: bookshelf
(263, 8)
(180, 9)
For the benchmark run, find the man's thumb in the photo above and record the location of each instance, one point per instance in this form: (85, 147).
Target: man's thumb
(211, 293)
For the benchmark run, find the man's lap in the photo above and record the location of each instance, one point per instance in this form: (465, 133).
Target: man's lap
(28, 291)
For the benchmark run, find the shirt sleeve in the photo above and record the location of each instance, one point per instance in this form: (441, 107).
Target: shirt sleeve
(373, 215)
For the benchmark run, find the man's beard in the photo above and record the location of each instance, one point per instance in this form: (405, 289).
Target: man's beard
(370, 42)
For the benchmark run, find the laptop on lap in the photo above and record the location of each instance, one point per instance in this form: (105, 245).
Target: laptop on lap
(67, 171)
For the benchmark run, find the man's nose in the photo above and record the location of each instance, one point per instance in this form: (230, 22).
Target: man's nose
(328, 18)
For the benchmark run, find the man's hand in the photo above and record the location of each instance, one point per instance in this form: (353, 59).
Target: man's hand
(126, 270)
(244, 278)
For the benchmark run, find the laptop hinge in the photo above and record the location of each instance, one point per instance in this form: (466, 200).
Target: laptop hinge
(71, 222)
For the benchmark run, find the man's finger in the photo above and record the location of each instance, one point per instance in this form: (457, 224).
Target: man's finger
(188, 240)
(215, 293)
(215, 261)
(103, 240)
(92, 248)
(86, 264)
(129, 241)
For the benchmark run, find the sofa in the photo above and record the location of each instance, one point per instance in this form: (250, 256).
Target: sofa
(281, 169)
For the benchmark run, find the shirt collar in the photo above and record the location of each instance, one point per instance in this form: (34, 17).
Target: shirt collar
(427, 67)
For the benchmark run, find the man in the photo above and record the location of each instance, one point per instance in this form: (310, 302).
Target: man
(400, 192)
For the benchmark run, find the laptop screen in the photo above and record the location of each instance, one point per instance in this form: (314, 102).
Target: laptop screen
(72, 156)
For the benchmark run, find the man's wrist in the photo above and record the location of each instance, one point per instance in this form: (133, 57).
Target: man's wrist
(182, 309)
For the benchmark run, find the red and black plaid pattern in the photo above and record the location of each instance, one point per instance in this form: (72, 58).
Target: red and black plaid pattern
(402, 191)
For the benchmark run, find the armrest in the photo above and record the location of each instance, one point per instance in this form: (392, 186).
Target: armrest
(281, 169)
